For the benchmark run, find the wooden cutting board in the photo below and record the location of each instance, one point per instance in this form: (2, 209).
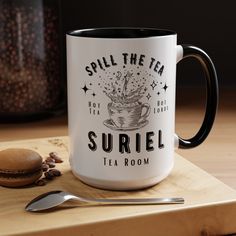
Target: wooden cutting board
(210, 207)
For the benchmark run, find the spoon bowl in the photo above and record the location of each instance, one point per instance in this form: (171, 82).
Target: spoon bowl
(48, 200)
(52, 199)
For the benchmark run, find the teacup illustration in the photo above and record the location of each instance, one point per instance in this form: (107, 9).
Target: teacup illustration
(125, 110)
(127, 116)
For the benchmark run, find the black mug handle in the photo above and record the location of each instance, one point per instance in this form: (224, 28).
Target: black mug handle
(212, 95)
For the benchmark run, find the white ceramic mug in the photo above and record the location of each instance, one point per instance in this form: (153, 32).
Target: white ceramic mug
(121, 105)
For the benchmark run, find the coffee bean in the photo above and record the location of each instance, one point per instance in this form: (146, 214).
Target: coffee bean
(55, 156)
(41, 182)
(51, 165)
(49, 159)
(45, 167)
(55, 172)
(48, 175)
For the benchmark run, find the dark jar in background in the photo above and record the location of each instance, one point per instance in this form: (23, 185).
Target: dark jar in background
(31, 66)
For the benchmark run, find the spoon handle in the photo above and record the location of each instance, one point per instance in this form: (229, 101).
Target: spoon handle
(136, 201)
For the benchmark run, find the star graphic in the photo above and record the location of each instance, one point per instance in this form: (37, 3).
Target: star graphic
(94, 94)
(165, 87)
(148, 96)
(153, 85)
(85, 88)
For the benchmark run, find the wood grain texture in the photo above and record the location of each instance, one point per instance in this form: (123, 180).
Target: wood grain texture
(210, 205)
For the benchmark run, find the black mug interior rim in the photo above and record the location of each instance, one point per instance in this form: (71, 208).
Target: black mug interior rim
(120, 32)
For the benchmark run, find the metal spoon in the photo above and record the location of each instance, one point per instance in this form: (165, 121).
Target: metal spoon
(54, 198)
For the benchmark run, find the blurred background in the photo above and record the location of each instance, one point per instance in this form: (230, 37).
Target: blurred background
(33, 47)
(209, 25)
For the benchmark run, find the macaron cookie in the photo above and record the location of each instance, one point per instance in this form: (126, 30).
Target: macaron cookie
(19, 167)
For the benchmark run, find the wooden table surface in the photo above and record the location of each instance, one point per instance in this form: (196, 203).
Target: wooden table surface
(217, 155)
(209, 208)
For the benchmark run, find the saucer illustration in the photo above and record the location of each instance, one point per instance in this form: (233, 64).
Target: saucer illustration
(110, 124)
